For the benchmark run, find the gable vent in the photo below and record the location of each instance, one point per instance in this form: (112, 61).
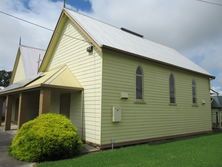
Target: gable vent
(131, 32)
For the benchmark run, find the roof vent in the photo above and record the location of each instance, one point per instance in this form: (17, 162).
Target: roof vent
(131, 32)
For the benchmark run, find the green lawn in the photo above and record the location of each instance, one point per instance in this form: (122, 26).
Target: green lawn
(204, 151)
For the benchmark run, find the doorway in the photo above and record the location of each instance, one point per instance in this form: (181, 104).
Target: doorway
(65, 104)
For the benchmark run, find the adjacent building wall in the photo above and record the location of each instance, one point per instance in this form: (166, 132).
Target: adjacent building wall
(87, 68)
(217, 117)
(19, 73)
(76, 114)
(155, 117)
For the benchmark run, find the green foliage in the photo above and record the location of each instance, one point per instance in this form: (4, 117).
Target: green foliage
(48, 137)
(5, 77)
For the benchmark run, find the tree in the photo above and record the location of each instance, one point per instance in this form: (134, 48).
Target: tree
(5, 77)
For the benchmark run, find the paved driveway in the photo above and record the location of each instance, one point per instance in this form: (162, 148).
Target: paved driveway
(5, 159)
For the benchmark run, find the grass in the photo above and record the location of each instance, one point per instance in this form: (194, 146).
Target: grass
(203, 151)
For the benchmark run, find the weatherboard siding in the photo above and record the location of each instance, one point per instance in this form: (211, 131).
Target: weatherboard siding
(87, 68)
(75, 107)
(155, 118)
(19, 73)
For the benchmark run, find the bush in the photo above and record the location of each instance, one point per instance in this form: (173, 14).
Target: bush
(48, 137)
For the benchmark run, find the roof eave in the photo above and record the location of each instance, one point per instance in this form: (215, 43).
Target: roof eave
(91, 39)
(164, 63)
(50, 42)
(65, 13)
(38, 87)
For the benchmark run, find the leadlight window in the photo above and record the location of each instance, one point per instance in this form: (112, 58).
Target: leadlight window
(139, 83)
(194, 94)
(172, 89)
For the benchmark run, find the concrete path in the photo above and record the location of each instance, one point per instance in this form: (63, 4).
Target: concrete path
(5, 159)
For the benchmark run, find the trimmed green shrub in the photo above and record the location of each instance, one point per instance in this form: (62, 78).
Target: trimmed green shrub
(48, 137)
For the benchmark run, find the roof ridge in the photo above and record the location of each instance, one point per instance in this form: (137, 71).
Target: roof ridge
(31, 47)
(119, 28)
(83, 14)
(154, 50)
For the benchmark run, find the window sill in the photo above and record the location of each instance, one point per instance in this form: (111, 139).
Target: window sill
(137, 101)
(195, 105)
(172, 104)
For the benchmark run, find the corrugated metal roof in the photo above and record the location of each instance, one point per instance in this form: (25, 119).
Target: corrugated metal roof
(31, 58)
(217, 101)
(58, 77)
(106, 35)
(20, 84)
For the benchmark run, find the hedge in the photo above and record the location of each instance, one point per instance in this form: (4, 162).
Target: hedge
(48, 137)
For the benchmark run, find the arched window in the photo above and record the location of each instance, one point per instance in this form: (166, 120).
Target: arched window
(194, 95)
(139, 83)
(172, 89)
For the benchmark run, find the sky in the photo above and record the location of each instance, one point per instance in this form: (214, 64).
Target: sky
(192, 27)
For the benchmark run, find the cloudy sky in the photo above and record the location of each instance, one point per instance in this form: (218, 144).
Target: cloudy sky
(192, 27)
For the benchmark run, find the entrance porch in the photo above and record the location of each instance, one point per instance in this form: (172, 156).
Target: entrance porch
(55, 91)
(25, 106)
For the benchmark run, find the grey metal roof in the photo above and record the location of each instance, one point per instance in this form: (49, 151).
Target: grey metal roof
(106, 35)
(31, 58)
(216, 101)
(20, 84)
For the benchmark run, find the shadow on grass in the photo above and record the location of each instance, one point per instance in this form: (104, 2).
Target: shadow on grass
(151, 143)
(174, 139)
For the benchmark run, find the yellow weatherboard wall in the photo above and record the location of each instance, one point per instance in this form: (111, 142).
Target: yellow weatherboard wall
(106, 75)
(155, 117)
(19, 71)
(87, 68)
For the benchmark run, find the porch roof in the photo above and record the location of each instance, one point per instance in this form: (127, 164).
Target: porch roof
(56, 78)
(217, 102)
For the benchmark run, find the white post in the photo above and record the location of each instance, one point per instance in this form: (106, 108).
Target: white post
(1, 110)
(220, 119)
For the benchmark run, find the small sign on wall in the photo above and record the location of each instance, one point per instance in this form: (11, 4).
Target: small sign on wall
(116, 114)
